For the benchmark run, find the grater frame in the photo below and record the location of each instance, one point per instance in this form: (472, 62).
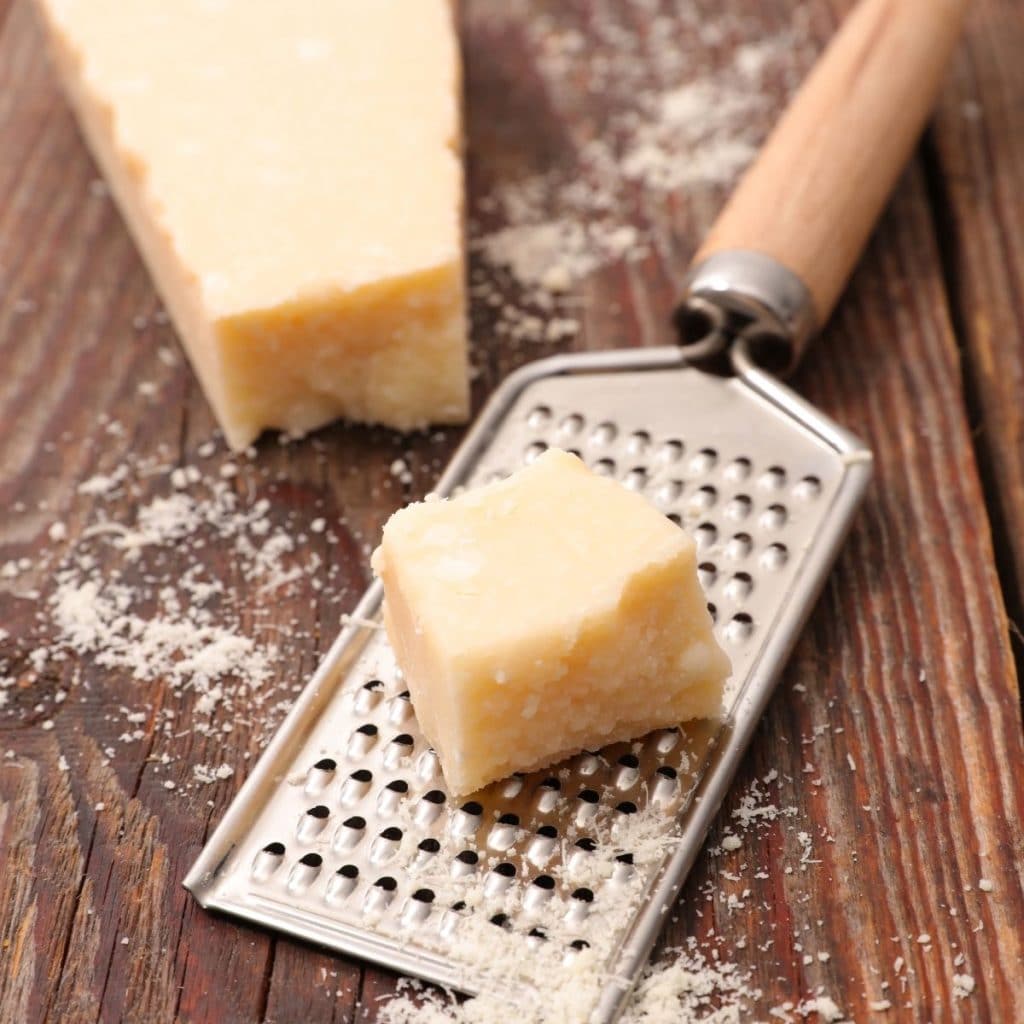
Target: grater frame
(221, 878)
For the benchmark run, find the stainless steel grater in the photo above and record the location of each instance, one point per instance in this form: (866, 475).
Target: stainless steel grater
(557, 882)
(345, 835)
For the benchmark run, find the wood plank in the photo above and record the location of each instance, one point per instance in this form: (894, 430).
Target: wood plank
(904, 669)
(978, 151)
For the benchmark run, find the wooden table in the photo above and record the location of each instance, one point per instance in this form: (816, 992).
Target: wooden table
(896, 732)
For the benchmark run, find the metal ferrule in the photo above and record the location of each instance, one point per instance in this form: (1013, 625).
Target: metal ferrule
(739, 293)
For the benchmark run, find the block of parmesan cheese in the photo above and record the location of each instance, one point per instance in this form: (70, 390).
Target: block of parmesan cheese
(291, 173)
(544, 614)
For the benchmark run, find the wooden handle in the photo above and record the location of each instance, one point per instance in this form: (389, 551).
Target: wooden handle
(817, 187)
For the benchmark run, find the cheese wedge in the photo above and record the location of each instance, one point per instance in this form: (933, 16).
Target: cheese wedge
(550, 612)
(291, 173)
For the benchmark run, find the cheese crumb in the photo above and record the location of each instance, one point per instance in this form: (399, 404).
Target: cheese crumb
(985, 885)
(963, 985)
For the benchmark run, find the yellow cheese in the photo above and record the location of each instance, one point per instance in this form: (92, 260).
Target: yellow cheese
(290, 170)
(544, 614)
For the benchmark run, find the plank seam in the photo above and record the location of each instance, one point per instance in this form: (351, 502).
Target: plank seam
(946, 238)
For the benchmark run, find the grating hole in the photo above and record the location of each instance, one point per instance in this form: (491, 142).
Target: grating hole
(373, 684)
(512, 786)
(459, 906)
(707, 573)
(774, 516)
(579, 944)
(704, 497)
(739, 546)
(675, 517)
(604, 433)
(539, 417)
(398, 786)
(423, 895)
(808, 488)
(669, 452)
(738, 469)
(368, 730)
(405, 695)
(774, 556)
(739, 507)
(362, 775)
(705, 535)
(502, 921)
(772, 479)
(551, 783)
(392, 834)
(505, 869)
(639, 441)
(403, 739)
(586, 844)
(548, 831)
(534, 451)
(589, 796)
(545, 882)
(625, 858)
(320, 812)
(604, 467)
(468, 857)
(387, 883)
(311, 860)
(629, 761)
(667, 739)
(274, 849)
(584, 895)
(509, 819)
(626, 807)
(713, 612)
(355, 822)
(429, 846)
(636, 479)
(669, 491)
(576, 452)
(348, 871)
(435, 796)
(471, 807)
(537, 933)
(572, 424)
(740, 627)
(739, 587)
(326, 764)
(668, 772)
(704, 461)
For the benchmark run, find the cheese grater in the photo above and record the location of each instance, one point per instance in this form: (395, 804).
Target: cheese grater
(547, 890)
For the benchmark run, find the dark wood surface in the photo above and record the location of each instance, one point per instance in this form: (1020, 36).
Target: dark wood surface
(896, 732)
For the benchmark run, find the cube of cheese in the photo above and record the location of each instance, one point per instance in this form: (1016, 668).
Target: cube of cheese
(291, 173)
(544, 614)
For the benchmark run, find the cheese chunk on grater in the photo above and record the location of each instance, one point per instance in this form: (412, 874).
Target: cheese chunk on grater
(542, 614)
(543, 893)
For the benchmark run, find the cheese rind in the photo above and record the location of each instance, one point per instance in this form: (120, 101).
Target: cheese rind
(544, 614)
(292, 176)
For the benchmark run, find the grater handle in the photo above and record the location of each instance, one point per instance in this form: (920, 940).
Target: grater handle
(781, 251)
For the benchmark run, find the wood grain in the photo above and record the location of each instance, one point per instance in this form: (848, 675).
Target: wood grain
(896, 734)
(978, 153)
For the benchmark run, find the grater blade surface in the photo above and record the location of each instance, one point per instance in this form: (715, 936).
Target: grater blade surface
(345, 835)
